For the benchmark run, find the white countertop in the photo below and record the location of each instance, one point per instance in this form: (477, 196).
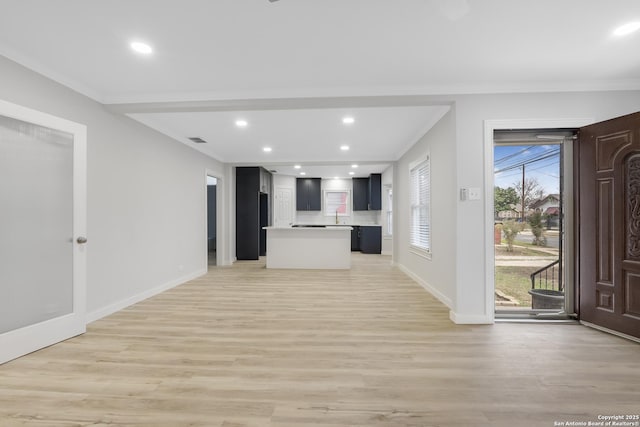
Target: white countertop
(321, 228)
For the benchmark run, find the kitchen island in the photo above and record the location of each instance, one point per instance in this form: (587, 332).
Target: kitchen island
(325, 247)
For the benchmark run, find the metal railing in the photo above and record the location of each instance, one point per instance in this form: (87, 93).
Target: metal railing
(548, 277)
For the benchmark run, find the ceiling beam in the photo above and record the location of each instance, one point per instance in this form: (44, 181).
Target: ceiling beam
(279, 104)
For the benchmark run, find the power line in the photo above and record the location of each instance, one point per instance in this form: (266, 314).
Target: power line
(507, 157)
(538, 167)
(530, 159)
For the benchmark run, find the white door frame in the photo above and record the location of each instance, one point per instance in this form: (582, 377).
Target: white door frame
(30, 338)
(221, 247)
(489, 127)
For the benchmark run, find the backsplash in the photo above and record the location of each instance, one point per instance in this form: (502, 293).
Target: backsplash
(356, 218)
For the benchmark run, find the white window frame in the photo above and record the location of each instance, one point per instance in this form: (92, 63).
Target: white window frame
(416, 204)
(347, 203)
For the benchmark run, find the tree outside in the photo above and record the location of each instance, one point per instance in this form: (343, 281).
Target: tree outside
(536, 224)
(504, 199)
(510, 230)
(530, 192)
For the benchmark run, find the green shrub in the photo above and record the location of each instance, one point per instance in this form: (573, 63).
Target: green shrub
(510, 230)
(537, 228)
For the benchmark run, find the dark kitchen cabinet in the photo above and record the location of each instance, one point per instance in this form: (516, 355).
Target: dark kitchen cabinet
(367, 193)
(252, 207)
(308, 194)
(371, 239)
(355, 238)
(375, 192)
(360, 194)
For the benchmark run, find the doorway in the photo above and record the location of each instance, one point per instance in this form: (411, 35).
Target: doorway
(212, 235)
(529, 222)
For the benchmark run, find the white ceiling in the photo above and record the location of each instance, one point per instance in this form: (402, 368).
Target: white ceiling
(236, 50)
(302, 135)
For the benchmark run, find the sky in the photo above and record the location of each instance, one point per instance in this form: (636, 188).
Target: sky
(541, 162)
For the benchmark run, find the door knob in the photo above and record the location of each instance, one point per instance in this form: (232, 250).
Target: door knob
(81, 240)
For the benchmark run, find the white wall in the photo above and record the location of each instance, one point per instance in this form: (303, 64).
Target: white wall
(387, 239)
(146, 195)
(438, 274)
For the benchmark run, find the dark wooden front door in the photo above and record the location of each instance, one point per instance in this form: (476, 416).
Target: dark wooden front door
(608, 221)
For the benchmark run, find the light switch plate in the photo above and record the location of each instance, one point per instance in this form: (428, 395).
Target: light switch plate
(474, 193)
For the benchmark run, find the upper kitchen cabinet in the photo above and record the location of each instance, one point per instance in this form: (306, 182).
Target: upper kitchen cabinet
(308, 194)
(265, 181)
(367, 193)
(375, 192)
(360, 194)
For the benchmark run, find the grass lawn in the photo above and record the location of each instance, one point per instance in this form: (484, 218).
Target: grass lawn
(519, 251)
(515, 282)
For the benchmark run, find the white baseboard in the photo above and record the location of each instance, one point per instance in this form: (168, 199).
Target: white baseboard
(461, 319)
(117, 306)
(386, 253)
(464, 319)
(433, 291)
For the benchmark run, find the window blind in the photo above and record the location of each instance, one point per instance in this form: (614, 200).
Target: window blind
(336, 203)
(420, 232)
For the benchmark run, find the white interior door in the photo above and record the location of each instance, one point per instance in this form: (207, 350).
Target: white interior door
(284, 207)
(42, 230)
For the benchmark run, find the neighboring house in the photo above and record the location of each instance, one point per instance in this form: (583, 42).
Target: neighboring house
(510, 214)
(549, 206)
(514, 213)
(545, 203)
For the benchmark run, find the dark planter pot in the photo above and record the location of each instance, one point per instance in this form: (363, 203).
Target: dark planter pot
(546, 299)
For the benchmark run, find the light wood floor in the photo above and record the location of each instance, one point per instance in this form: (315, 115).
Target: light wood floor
(246, 346)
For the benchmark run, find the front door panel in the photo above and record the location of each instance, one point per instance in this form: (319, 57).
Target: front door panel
(609, 224)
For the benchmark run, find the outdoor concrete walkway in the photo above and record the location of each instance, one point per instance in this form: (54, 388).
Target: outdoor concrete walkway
(527, 260)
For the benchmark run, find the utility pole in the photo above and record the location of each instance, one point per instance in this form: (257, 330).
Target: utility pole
(523, 193)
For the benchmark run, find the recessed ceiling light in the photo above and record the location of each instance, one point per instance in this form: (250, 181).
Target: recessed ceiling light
(140, 47)
(628, 28)
(297, 167)
(267, 149)
(241, 123)
(336, 177)
(354, 166)
(352, 173)
(303, 173)
(348, 120)
(344, 147)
